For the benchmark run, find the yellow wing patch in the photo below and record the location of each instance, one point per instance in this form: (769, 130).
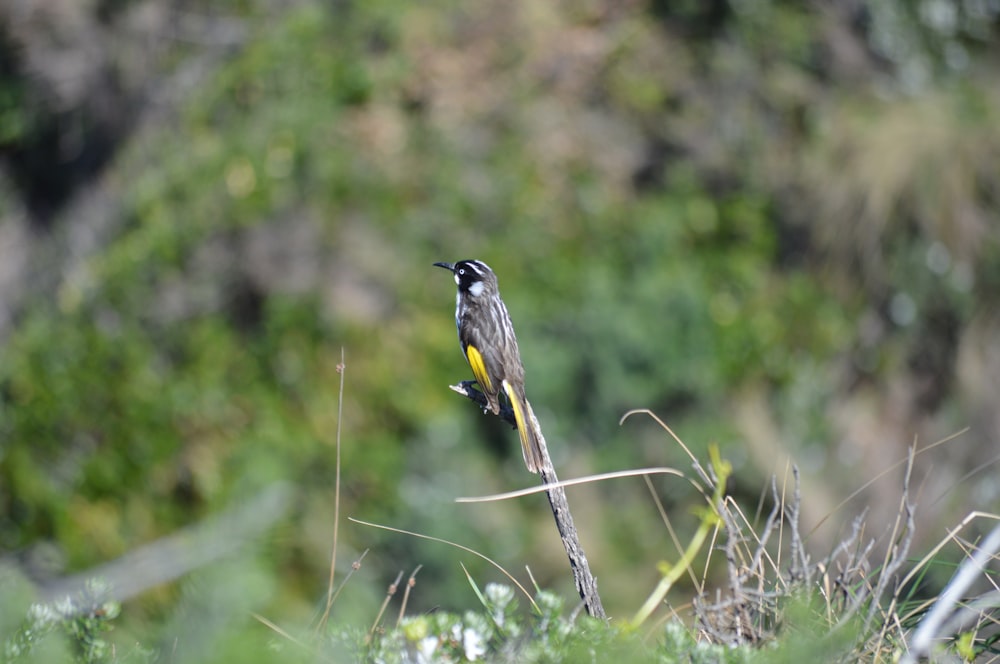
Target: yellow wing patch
(478, 367)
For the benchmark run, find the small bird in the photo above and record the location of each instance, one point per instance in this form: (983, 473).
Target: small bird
(489, 345)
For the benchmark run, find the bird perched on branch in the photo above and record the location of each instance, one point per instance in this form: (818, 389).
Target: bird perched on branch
(490, 347)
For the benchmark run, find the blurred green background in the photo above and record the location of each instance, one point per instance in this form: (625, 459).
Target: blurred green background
(774, 224)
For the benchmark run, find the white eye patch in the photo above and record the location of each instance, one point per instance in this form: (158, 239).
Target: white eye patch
(476, 289)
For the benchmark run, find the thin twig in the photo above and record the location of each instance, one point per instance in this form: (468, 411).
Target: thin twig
(899, 543)
(390, 591)
(341, 369)
(457, 546)
(355, 566)
(694, 460)
(695, 581)
(644, 472)
(799, 565)
(412, 581)
(277, 629)
(882, 474)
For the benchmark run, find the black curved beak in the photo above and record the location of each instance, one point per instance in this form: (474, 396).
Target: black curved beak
(447, 266)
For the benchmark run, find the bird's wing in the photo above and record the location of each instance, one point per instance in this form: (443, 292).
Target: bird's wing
(478, 365)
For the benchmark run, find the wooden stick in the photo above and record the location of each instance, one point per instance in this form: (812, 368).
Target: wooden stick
(586, 584)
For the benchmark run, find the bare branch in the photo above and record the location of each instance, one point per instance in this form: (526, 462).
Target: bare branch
(586, 584)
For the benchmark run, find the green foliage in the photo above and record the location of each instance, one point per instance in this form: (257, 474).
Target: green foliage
(680, 647)
(71, 629)
(501, 633)
(806, 633)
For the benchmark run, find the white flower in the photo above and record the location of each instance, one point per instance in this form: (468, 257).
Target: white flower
(473, 643)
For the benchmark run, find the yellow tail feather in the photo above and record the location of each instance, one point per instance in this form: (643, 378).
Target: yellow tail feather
(525, 429)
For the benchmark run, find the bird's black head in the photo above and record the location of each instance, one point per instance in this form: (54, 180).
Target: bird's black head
(472, 276)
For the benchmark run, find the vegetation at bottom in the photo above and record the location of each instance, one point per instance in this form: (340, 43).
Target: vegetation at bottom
(777, 605)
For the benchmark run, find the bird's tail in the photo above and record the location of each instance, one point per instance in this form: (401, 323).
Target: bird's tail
(526, 427)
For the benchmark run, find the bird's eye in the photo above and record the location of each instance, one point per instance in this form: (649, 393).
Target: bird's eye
(461, 271)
